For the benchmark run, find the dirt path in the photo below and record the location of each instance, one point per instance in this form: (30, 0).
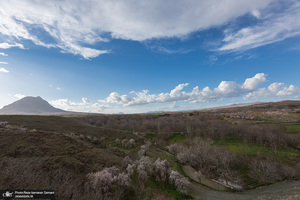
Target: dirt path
(287, 190)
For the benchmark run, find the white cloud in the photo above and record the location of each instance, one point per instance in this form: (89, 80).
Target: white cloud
(7, 46)
(3, 54)
(115, 97)
(3, 70)
(274, 90)
(256, 13)
(20, 96)
(252, 83)
(85, 52)
(65, 103)
(289, 91)
(4, 63)
(75, 25)
(83, 106)
(85, 100)
(275, 87)
(175, 95)
(273, 27)
(58, 88)
(226, 89)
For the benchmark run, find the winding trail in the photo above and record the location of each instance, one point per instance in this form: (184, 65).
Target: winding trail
(286, 190)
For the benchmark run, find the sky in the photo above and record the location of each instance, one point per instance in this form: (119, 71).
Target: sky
(138, 56)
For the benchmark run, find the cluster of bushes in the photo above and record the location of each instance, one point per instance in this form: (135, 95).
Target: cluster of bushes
(161, 171)
(219, 163)
(209, 160)
(268, 171)
(125, 143)
(7, 126)
(36, 173)
(111, 183)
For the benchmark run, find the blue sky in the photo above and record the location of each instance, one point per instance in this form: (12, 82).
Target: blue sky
(139, 56)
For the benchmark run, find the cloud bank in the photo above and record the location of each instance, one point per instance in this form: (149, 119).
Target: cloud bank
(75, 26)
(274, 90)
(249, 89)
(84, 106)
(272, 27)
(226, 89)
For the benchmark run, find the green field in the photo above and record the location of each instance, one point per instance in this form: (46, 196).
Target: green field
(285, 155)
(292, 128)
(177, 138)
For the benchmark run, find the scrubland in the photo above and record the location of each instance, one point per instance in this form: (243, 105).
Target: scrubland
(141, 156)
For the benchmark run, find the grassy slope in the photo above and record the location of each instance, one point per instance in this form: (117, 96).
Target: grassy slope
(53, 150)
(62, 125)
(57, 149)
(52, 158)
(52, 139)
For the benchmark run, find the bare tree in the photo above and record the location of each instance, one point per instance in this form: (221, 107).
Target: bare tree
(266, 171)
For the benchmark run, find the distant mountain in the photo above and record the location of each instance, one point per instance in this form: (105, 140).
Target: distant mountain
(233, 105)
(30, 106)
(159, 111)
